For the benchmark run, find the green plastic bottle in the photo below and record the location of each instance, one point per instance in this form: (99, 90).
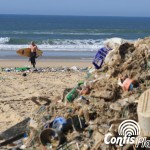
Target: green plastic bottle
(74, 93)
(80, 83)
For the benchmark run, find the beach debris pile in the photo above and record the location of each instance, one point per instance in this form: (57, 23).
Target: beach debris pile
(95, 107)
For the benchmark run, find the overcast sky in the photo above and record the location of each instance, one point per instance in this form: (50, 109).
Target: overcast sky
(77, 7)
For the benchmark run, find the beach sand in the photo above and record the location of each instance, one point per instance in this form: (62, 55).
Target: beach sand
(18, 93)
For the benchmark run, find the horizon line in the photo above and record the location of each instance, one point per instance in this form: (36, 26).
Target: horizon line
(77, 15)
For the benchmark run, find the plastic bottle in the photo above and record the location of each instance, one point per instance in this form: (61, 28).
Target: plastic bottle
(80, 83)
(74, 93)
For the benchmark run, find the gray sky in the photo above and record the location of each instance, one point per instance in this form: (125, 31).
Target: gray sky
(77, 7)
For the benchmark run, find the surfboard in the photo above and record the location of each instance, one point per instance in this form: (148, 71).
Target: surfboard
(27, 51)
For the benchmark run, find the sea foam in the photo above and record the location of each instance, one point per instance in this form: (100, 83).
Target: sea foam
(4, 40)
(58, 44)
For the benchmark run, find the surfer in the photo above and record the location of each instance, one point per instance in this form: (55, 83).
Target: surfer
(33, 53)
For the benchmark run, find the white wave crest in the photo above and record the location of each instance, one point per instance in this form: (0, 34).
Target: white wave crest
(52, 47)
(60, 45)
(69, 42)
(4, 40)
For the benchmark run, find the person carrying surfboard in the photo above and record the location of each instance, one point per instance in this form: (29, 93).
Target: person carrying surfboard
(33, 53)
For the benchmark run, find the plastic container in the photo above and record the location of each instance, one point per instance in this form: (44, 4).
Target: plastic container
(59, 124)
(143, 111)
(52, 137)
(99, 57)
(127, 84)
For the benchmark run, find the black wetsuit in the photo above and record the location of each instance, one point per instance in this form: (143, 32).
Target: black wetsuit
(32, 58)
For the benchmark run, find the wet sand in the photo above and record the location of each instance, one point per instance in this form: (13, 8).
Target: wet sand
(45, 63)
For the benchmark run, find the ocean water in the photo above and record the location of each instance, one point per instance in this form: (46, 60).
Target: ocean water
(70, 36)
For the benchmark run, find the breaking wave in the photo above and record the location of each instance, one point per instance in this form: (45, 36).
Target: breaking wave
(4, 40)
(7, 43)
(53, 45)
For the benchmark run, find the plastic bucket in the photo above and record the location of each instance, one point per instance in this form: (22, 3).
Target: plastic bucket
(143, 111)
(53, 137)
